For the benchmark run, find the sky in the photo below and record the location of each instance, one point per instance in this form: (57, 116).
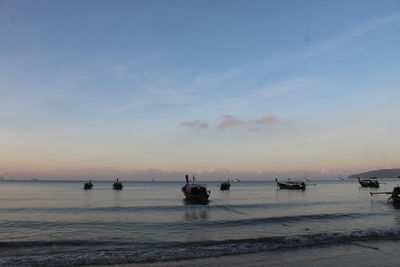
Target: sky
(241, 89)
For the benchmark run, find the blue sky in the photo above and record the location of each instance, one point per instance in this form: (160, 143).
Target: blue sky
(251, 89)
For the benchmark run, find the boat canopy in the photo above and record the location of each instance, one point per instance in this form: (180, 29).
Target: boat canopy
(194, 187)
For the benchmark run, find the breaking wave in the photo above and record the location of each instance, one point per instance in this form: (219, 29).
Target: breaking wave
(180, 251)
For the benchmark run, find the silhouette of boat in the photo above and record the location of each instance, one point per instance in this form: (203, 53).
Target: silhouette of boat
(195, 192)
(291, 184)
(88, 185)
(225, 186)
(371, 182)
(117, 185)
(394, 195)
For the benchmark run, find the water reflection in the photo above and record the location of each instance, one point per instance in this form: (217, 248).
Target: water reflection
(197, 215)
(88, 198)
(394, 205)
(368, 188)
(396, 212)
(190, 202)
(117, 198)
(225, 195)
(288, 195)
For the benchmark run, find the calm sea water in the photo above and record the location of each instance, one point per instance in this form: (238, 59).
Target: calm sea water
(58, 223)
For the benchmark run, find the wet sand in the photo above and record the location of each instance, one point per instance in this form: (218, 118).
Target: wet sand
(372, 253)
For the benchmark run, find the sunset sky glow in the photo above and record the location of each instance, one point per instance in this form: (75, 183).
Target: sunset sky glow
(249, 89)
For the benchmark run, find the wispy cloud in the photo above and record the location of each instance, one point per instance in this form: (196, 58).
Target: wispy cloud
(266, 120)
(285, 86)
(353, 34)
(229, 121)
(194, 124)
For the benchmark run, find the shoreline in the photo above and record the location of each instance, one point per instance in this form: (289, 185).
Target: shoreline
(365, 253)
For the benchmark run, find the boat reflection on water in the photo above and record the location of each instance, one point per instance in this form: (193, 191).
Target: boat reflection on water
(197, 215)
(187, 201)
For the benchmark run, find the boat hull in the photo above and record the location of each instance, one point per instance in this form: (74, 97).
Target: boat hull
(369, 185)
(117, 186)
(195, 198)
(224, 187)
(292, 186)
(295, 187)
(88, 186)
(396, 201)
(374, 184)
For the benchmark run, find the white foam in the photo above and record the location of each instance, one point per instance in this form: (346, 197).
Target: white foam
(196, 250)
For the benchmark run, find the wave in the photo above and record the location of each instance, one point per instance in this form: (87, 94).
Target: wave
(180, 251)
(184, 224)
(163, 208)
(66, 243)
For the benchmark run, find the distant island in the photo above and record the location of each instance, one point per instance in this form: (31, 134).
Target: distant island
(384, 173)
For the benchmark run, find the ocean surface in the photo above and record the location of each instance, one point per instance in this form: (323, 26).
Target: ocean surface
(57, 223)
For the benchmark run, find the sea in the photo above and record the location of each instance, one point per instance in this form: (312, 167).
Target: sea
(57, 223)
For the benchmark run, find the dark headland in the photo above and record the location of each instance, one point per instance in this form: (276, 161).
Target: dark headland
(383, 173)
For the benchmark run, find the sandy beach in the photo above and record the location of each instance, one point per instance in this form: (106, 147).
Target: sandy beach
(373, 253)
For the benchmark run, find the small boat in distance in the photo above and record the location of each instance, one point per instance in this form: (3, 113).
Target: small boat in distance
(371, 182)
(88, 185)
(291, 184)
(395, 195)
(195, 193)
(225, 186)
(117, 185)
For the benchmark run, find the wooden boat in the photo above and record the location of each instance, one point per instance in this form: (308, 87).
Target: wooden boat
(117, 185)
(225, 186)
(291, 185)
(88, 185)
(195, 192)
(371, 182)
(394, 195)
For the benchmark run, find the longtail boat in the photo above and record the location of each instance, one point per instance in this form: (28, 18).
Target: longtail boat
(117, 185)
(225, 186)
(371, 182)
(394, 195)
(291, 184)
(195, 192)
(88, 185)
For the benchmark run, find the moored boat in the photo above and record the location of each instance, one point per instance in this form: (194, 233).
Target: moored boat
(371, 182)
(117, 185)
(225, 186)
(195, 192)
(88, 185)
(394, 195)
(291, 184)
